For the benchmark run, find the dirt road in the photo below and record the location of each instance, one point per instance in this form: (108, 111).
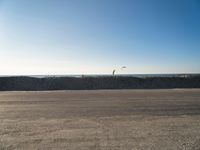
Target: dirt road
(101, 120)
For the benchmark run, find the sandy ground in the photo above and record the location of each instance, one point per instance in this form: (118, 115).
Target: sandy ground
(101, 120)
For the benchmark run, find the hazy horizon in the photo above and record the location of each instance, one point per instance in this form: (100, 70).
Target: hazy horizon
(96, 36)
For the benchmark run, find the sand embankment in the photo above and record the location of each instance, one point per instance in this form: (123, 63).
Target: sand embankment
(101, 120)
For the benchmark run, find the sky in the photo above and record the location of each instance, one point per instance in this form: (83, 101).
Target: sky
(49, 37)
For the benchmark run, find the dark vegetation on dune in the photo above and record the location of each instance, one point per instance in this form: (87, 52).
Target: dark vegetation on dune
(101, 82)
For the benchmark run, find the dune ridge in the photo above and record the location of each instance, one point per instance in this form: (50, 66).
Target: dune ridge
(20, 83)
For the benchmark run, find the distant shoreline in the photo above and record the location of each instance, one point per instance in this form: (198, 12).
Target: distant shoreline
(92, 82)
(108, 75)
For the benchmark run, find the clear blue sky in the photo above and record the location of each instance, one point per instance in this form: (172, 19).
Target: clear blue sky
(96, 36)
